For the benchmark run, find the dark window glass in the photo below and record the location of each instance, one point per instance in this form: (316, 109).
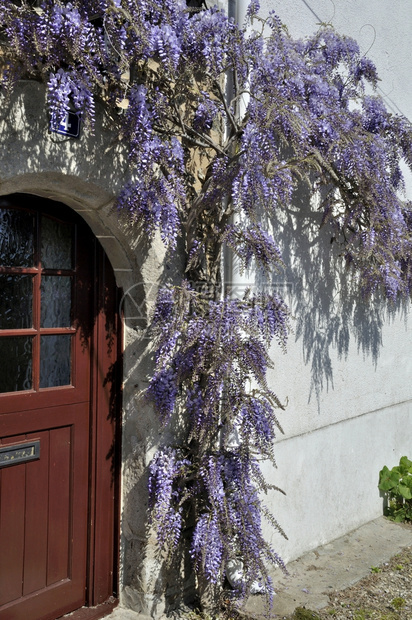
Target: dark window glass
(16, 301)
(55, 301)
(56, 244)
(55, 360)
(15, 364)
(16, 238)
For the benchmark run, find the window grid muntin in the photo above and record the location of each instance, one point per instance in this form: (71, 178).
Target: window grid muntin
(36, 332)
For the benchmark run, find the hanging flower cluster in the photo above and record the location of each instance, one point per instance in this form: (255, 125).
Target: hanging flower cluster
(211, 366)
(221, 123)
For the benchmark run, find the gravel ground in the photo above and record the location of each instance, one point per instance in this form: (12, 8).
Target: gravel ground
(385, 594)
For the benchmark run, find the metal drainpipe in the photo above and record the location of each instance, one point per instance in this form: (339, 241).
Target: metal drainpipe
(237, 11)
(227, 259)
(241, 8)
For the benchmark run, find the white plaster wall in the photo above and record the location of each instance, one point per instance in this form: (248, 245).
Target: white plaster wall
(330, 477)
(347, 374)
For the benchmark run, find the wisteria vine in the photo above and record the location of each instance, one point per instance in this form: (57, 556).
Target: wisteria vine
(222, 122)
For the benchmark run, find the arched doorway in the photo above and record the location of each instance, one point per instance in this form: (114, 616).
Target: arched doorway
(59, 404)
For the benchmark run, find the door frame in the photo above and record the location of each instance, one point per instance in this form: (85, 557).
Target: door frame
(105, 442)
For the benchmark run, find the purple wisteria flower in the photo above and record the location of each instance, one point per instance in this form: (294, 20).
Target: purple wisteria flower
(165, 469)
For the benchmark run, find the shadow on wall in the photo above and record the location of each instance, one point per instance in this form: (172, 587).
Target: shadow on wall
(149, 582)
(30, 147)
(324, 298)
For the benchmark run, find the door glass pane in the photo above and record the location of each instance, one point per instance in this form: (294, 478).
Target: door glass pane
(55, 301)
(16, 301)
(55, 360)
(56, 244)
(16, 238)
(15, 367)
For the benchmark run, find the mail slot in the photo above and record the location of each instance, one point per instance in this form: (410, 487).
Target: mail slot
(19, 453)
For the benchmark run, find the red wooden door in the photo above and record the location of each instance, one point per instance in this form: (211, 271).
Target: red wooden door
(46, 327)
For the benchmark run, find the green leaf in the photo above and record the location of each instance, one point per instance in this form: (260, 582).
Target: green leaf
(400, 517)
(388, 479)
(406, 463)
(406, 480)
(405, 491)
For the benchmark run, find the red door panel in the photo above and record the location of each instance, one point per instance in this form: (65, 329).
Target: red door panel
(43, 515)
(37, 517)
(12, 541)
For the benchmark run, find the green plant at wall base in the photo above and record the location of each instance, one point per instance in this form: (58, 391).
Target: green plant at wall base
(398, 603)
(396, 483)
(301, 613)
(362, 614)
